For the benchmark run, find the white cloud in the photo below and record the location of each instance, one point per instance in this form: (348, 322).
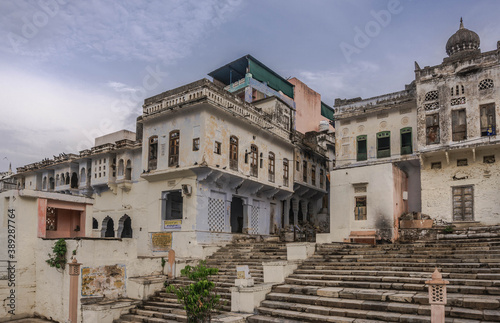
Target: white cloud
(110, 30)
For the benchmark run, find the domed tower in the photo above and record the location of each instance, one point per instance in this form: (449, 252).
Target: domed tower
(463, 42)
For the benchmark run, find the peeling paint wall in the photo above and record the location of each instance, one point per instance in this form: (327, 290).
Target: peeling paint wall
(485, 178)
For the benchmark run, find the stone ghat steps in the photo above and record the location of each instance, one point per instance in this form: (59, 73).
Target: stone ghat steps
(468, 286)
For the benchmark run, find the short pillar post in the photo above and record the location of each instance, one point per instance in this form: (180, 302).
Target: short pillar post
(437, 296)
(171, 264)
(74, 272)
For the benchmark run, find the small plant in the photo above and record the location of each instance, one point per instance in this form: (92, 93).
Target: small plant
(58, 258)
(163, 262)
(199, 298)
(448, 229)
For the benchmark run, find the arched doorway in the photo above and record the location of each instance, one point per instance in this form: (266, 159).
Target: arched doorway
(108, 228)
(125, 227)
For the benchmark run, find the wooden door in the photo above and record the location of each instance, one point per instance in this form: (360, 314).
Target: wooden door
(463, 203)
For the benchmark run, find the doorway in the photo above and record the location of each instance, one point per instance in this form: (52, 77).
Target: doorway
(236, 215)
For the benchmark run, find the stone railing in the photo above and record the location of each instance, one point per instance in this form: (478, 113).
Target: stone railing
(235, 84)
(222, 99)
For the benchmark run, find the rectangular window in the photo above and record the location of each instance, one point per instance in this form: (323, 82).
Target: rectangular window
(436, 165)
(285, 172)
(321, 178)
(173, 148)
(153, 153)
(254, 169)
(233, 153)
(458, 125)
(463, 203)
(360, 209)
(217, 148)
(304, 171)
(462, 162)
(406, 144)
(196, 144)
(171, 205)
(489, 159)
(297, 165)
(488, 120)
(271, 167)
(432, 128)
(313, 175)
(361, 148)
(384, 144)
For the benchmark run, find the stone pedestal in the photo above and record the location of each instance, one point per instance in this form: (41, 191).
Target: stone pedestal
(246, 299)
(244, 282)
(299, 250)
(107, 311)
(277, 271)
(145, 286)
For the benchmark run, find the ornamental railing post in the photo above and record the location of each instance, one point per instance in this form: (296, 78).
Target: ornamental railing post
(437, 296)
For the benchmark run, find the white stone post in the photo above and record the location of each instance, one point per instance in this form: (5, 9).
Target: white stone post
(437, 296)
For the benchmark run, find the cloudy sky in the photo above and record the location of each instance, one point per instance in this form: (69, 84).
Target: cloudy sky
(74, 70)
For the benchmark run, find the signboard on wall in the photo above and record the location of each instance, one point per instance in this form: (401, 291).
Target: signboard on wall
(172, 224)
(161, 241)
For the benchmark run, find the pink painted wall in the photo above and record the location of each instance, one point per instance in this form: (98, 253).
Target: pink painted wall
(69, 216)
(400, 205)
(308, 107)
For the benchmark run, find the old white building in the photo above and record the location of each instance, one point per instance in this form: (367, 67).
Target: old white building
(431, 148)
(209, 162)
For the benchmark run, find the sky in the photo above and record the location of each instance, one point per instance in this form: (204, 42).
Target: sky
(71, 71)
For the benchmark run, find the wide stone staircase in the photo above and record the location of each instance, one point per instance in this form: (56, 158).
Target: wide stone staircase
(386, 283)
(163, 307)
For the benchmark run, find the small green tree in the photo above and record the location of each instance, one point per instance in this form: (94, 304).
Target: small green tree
(199, 298)
(58, 258)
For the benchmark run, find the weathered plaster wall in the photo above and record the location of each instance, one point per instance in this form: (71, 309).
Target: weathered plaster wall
(437, 185)
(25, 210)
(380, 200)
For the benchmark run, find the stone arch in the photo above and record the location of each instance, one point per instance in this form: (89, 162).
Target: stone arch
(67, 178)
(74, 180)
(125, 227)
(95, 224)
(128, 170)
(44, 183)
(108, 227)
(51, 183)
(121, 168)
(57, 180)
(63, 180)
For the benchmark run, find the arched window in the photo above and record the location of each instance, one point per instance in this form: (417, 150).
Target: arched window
(271, 167)
(74, 180)
(44, 183)
(128, 170)
(233, 153)
(486, 84)
(121, 168)
(108, 228)
(254, 153)
(153, 153)
(57, 180)
(173, 148)
(67, 178)
(51, 183)
(83, 175)
(125, 227)
(95, 224)
(63, 180)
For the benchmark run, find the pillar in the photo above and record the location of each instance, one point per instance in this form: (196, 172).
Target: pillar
(246, 219)
(286, 212)
(74, 272)
(295, 209)
(437, 297)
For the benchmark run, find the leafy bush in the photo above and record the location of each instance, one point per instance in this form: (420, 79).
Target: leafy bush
(58, 258)
(199, 298)
(448, 229)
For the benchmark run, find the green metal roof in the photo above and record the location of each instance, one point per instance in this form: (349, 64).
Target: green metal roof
(327, 111)
(237, 69)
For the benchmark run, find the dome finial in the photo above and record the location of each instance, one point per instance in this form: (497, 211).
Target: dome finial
(461, 23)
